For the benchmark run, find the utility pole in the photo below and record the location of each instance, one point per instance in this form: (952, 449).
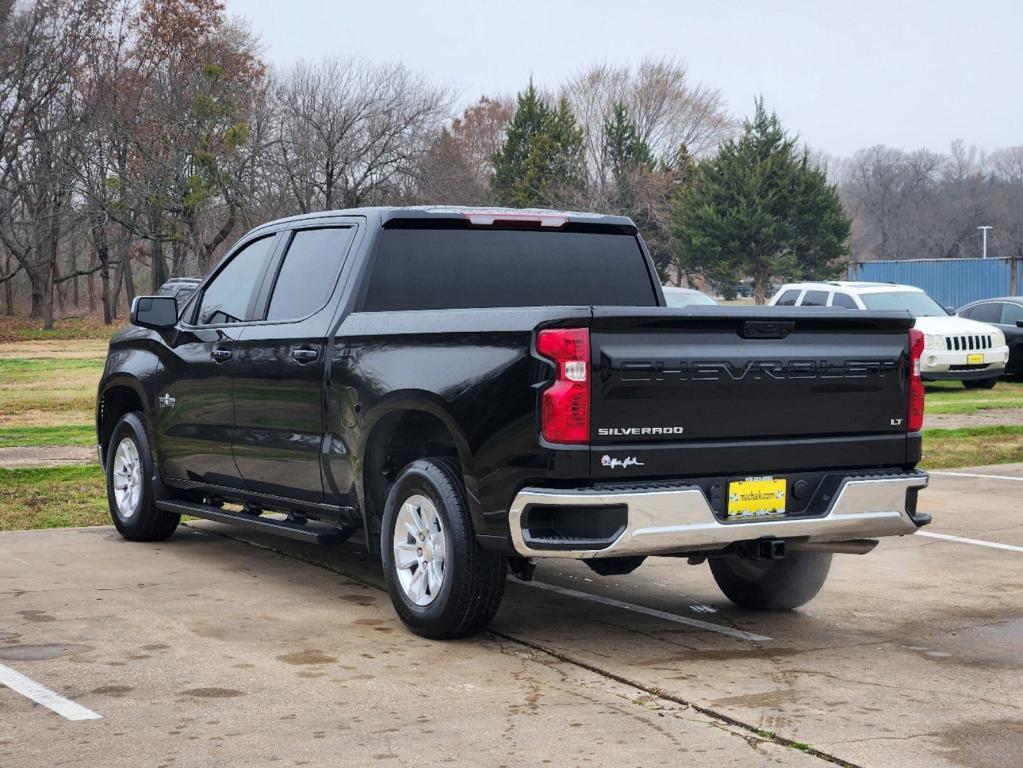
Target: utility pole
(984, 251)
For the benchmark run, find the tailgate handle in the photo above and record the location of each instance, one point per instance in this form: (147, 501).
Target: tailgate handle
(766, 329)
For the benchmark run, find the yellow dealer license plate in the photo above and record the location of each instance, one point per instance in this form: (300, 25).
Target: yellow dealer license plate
(975, 359)
(756, 497)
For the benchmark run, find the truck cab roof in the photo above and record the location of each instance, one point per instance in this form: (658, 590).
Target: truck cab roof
(469, 216)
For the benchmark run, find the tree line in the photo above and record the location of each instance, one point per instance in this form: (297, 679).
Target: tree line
(139, 138)
(923, 204)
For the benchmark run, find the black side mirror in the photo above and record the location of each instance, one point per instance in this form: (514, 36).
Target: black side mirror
(156, 312)
(1019, 323)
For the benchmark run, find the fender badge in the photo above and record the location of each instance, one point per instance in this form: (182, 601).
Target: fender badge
(166, 401)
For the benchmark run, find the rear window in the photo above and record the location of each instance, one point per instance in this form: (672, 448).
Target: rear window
(462, 269)
(917, 302)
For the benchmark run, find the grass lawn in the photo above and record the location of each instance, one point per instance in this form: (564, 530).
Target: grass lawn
(54, 497)
(25, 329)
(35, 437)
(972, 447)
(953, 397)
(47, 391)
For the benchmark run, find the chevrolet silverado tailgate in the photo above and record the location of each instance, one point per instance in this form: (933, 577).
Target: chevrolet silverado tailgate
(758, 388)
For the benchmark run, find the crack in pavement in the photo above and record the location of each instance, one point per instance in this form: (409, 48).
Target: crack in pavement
(896, 687)
(748, 731)
(661, 694)
(891, 738)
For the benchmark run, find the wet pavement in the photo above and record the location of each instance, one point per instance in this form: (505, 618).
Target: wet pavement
(222, 648)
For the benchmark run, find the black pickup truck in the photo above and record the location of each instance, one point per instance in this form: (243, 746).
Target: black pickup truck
(472, 390)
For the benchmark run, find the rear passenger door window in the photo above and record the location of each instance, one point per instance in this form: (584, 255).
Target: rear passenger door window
(815, 299)
(843, 300)
(309, 272)
(788, 299)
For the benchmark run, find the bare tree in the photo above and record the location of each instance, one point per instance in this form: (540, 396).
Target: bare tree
(1007, 189)
(40, 135)
(669, 111)
(180, 118)
(457, 168)
(350, 132)
(884, 190)
(927, 205)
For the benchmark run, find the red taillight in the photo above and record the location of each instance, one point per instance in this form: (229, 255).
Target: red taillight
(915, 422)
(565, 409)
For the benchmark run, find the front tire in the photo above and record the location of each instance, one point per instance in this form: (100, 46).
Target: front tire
(981, 383)
(771, 585)
(131, 483)
(442, 583)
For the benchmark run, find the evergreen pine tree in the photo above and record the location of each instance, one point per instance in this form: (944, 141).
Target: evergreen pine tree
(541, 160)
(760, 209)
(624, 149)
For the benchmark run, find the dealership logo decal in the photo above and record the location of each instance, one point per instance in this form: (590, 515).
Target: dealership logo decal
(613, 463)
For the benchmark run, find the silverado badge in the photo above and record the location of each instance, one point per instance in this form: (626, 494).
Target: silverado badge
(166, 401)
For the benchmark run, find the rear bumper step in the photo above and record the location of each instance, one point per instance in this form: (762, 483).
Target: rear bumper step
(311, 533)
(669, 520)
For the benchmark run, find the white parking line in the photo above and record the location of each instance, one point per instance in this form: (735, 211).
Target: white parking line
(610, 601)
(40, 694)
(972, 474)
(977, 542)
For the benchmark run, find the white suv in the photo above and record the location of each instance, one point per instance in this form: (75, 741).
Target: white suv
(955, 348)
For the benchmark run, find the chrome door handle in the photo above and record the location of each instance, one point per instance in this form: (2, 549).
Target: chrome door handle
(222, 354)
(303, 356)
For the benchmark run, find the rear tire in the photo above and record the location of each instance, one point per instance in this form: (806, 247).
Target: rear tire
(981, 383)
(771, 585)
(132, 484)
(442, 583)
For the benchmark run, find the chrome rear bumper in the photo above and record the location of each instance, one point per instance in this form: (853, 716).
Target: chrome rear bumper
(679, 519)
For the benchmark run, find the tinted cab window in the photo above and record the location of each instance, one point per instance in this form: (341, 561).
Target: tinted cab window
(309, 272)
(417, 269)
(226, 298)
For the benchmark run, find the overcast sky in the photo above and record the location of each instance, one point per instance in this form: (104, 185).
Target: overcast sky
(843, 75)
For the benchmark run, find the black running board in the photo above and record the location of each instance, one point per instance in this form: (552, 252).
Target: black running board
(311, 533)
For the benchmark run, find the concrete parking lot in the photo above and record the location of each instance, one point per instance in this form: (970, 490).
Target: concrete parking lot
(222, 648)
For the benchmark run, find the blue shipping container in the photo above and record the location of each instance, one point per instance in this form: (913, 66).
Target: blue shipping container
(952, 282)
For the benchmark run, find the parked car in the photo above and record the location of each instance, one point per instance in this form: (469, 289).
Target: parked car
(1006, 314)
(476, 390)
(687, 297)
(181, 288)
(956, 348)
